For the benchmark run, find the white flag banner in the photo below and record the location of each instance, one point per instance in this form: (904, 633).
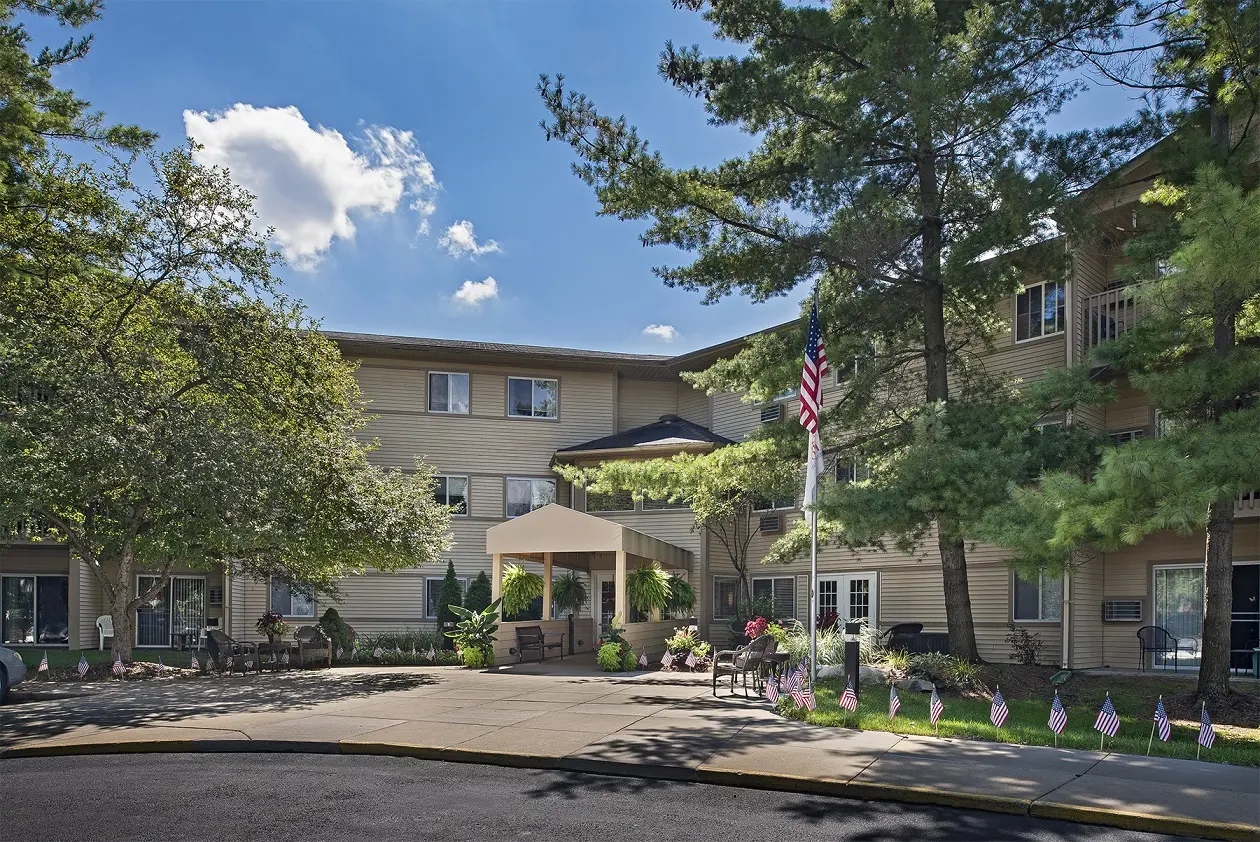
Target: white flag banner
(813, 469)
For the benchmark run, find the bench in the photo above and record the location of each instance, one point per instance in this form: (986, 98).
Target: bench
(533, 638)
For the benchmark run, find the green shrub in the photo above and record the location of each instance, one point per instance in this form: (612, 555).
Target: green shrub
(611, 657)
(475, 633)
(336, 630)
(630, 661)
(404, 641)
(897, 660)
(682, 596)
(450, 594)
(964, 674)
(478, 658)
(479, 593)
(1025, 648)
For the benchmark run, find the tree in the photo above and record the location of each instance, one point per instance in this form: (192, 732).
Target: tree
(479, 593)
(165, 404)
(722, 488)
(449, 594)
(900, 168)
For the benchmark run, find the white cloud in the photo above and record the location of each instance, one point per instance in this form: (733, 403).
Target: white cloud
(309, 180)
(476, 293)
(665, 333)
(460, 240)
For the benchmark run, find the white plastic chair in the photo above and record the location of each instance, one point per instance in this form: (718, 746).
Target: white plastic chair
(105, 628)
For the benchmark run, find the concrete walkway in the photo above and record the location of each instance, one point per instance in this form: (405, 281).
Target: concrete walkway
(647, 725)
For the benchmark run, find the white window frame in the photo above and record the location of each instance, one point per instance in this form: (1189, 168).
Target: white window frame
(1042, 578)
(508, 480)
(714, 603)
(271, 580)
(791, 580)
(467, 488)
(1040, 426)
(1133, 435)
(861, 470)
(1060, 323)
(35, 607)
(428, 392)
(790, 505)
(533, 382)
(464, 582)
(586, 503)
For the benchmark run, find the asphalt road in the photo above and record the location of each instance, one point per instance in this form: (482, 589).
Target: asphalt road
(222, 797)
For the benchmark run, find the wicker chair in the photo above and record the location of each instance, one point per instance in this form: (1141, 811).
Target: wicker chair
(742, 661)
(313, 646)
(903, 637)
(229, 655)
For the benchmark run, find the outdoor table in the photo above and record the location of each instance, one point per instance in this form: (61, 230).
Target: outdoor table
(771, 665)
(269, 656)
(181, 640)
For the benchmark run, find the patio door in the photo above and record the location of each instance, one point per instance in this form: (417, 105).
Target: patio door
(180, 606)
(1179, 608)
(852, 596)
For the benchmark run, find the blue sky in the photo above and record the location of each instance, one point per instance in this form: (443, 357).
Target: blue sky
(360, 124)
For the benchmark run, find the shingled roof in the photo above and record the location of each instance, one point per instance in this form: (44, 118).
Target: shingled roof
(669, 431)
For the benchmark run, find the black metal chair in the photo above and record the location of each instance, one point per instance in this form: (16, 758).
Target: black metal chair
(1154, 639)
(740, 662)
(902, 637)
(229, 655)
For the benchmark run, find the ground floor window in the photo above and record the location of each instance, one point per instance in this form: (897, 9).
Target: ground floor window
(780, 590)
(432, 587)
(725, 595)
(36, 609)
(1038, 599)
(290, 601)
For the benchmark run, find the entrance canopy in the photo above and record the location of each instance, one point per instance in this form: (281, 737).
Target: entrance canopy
(558, 529)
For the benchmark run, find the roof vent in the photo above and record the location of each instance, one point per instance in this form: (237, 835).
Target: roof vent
(669, 419)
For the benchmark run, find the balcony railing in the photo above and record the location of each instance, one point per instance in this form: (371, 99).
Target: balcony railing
(1107, 315)
(1248, 505)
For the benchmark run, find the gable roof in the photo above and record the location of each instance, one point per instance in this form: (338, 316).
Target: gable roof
(559, 529)
(669, 432)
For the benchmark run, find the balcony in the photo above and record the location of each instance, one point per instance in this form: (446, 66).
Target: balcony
(1107, 315)
(1248, 505)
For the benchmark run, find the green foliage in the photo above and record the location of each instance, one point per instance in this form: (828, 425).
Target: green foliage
(474, 658)
(682, 596)
(611, 657)
(479, 593)
(648, 588)
(520, 589)
(403, 641)
(684, 640)
(611, 633)
(475, 631)
(945, 671)
(629, 661)
(1025, 646)
(450, 597)
(896, 660)
(568, 592)
(830, 644)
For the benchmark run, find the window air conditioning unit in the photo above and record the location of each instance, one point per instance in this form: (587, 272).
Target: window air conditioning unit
(771, 413)
(770, 523)
(214, 596)
(1123, 611)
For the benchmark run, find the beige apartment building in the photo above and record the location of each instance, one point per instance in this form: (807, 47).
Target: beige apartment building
(493, 419)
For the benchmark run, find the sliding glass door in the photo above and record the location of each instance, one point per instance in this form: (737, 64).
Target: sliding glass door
(179, 607)
(1179, 609)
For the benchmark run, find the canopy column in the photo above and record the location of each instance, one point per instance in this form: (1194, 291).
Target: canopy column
(546, 606)
(496, 577)
(621, 605)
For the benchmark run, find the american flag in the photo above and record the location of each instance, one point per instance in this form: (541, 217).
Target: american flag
(119, 669)
(643, 658)
(354, 655)
(793, 682)
(812, 374)
(667, 660)
(161, 665)
(935, 708)
(1207, 734)
(998, 710)
(377, 653)
(194, 663)
(339, 652)
(772, 691)
(83, 666)
(798, 685)
(691, 659)
(413, 652)
(807, 698)
(43, 664)
(1162, 725)
(848, 699)
(1058, 716)
(1107, 721)
(894, 703)
(432, 653)
(284, 656)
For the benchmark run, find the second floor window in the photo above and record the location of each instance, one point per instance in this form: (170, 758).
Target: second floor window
(453, 492)
(1126, 436)
(535, 397)
(850, 470)
(1039, 310)
(525, 495)
(448, 392)
(617, 501)
(765, 504)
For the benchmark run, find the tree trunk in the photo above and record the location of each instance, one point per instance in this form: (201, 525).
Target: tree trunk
(1219, 586)
(121, 609)
(962, 631)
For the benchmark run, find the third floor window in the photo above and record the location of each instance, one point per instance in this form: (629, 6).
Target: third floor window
(448, 392)
(1040, 310)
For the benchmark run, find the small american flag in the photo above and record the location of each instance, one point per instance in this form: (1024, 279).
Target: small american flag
(1207, 734)
(83, 666)
(284, 656)
(772, 691)
(354, 655)
(1162, 725)
(807, 698)
(119, 669)
(643, 658)
(377, 653)
(691, 659)
(340, 652)
(667, 660)
(161, 665)
(798, 684)
(848, 699)
(894, 703)
(998, 710)
(414, 654)
(194, 664)
(793, 682)
(1107, 722)
(432, 653)
(935, 708)
(43, 664)
(1058, 716)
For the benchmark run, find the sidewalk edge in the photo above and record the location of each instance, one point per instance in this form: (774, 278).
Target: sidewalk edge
(1146, 822)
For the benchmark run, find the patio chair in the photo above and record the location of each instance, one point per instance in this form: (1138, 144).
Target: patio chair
(229, 655)
(313, 647)
(105, 628)
(1154, 639)
(902, 637)
(742, 661)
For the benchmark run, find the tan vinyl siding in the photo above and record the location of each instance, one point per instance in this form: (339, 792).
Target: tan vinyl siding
(641, 402)
(693, 405)
(1129, 411)
(1086, 598)
(91, 604)
(1026, 361)
(1089, 278)
(732, 417)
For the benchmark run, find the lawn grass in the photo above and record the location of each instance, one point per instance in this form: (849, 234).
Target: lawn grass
(61, 659)
(968, 718)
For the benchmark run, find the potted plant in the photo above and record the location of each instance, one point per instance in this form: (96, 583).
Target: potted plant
(520, 589)
(682, 596)
(648, 588)
(273, 625)
(568, 592)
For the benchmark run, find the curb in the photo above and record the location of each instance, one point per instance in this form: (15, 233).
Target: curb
(833, 787)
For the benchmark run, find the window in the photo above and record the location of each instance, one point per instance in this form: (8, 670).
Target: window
(1042, 426)
(289, 600)
(849, 366)
(452, 491)
(525, 495)
(779, 590)
(1125, 436)
(650, 503)
(1039, 310)
(725, 589)
(1038, 600)
(533, 398)
(851, 469)
(432, 587)
(764, 504)
(35, 609)
(617, 501)
(448, 392)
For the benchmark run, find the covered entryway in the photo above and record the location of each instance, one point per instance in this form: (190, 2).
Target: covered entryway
(556, 536)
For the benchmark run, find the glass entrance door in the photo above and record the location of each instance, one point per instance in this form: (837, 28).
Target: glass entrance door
(1179, 608)
(1244, 628)
(606, 599)
(188, 604)
(846, 597)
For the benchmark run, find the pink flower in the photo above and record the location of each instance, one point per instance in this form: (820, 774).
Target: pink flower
(755, 628)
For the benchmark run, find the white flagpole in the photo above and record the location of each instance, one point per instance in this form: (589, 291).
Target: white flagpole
(812, 480)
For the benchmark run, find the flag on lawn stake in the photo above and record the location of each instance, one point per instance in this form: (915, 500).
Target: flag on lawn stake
(998, 710)
(340, 651)
(894, 703)
(691, 660)
(194, 663)
(935, 708)
(807, 698)
(798, 684)
(119, 669)
(284, 656)
(413, 653)
(354, 655)
(643, 658)
(83, 666)
(161, 666)
(667, 660)
(432, 653)
(1058, 716)
(1107, 722)
(377, 653)
(1207, 734)
(1162, 725)
(43, 664)
(772, 690)
(848, 699)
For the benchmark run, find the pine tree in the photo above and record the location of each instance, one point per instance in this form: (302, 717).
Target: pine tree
(900, 167)
(449, 594)
(479, 593)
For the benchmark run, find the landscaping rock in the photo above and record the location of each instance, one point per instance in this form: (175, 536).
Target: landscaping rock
(916, 685)
(831, 672)
(872, 675)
